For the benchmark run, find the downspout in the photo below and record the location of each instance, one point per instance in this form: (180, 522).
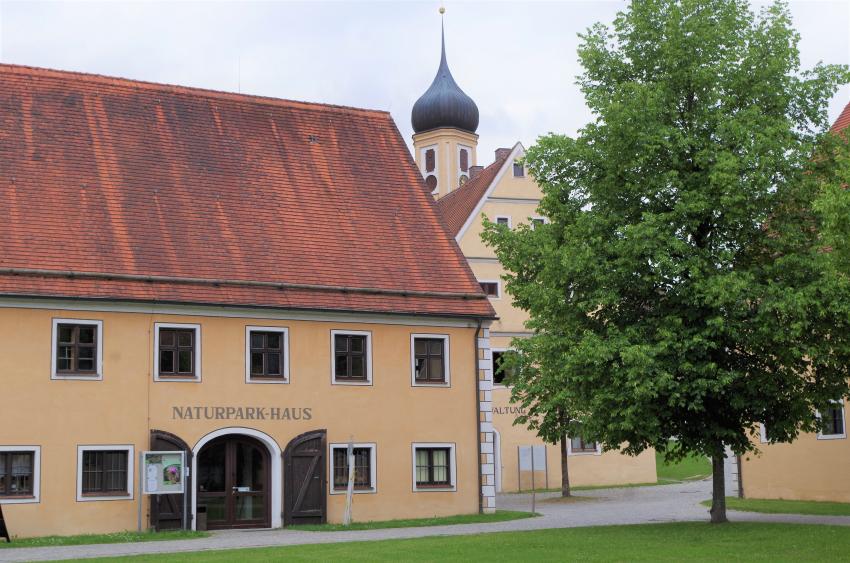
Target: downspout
(478, 417)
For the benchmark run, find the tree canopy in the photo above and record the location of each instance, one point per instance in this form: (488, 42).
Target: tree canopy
(681, 288)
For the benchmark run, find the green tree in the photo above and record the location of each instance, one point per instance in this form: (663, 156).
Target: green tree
(681, 289)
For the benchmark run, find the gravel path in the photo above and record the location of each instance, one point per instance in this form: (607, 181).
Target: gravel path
(638, 505)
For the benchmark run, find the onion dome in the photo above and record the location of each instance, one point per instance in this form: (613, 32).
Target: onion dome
(444, 104)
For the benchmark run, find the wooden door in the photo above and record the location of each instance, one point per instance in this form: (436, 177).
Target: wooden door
(167, 510)
(305, 484)
(234, 483)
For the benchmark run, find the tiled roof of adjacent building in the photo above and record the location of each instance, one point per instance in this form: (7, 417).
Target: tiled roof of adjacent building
(125, 190)
(843, 120)
(456, 207)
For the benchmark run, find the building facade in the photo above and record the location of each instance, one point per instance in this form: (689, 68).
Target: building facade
(814, 466)
(254, 282)
(445, 121)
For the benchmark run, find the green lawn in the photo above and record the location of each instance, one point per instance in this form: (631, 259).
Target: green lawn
(688, 469)
(652, 542)
(499, 516)
(118, 537)
(771, 506)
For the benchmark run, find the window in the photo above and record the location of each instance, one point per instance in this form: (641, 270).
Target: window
(104, 473)
(352, 358)
(178, 352)
(430, 160)
(537, 222)
(464, 160)
(267, 354)
(503, 220)
(763, 436)
(430, 354)
(431, 182)
(490, 288)
(364, 468)
(19, 474)
(832, 422)
(77, 349)
(501, 372)
(519, 170)
(579, 445)
(433, 467)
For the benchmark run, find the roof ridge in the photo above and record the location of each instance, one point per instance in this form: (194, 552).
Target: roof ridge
(27, 70)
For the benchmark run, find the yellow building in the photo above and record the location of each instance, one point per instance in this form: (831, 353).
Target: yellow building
(445, 149)
(251, 281)
(814, 466)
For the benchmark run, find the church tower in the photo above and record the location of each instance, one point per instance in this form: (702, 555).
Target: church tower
(444, 121)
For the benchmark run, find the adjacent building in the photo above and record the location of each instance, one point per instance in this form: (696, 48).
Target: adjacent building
(814, 466)
(252, 281)
(445, 120)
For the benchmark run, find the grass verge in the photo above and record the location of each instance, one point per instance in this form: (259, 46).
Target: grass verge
(779, 506)
(692, 541)
(691, 468)
(499, 516)
(117, 537)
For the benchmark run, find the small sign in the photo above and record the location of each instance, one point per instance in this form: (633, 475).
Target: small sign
(525, 461)
(163, 473)
(4, 532)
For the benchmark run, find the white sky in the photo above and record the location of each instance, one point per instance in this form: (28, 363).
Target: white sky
(517, 60)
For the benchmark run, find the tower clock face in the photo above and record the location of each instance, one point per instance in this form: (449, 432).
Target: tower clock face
(462, 180)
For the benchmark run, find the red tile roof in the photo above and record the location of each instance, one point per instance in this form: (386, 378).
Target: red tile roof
(175, 194)
(843, 120)
(456, 207)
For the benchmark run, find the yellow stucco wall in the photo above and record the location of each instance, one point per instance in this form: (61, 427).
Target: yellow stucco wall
(807, 469)
(609, 468)
(127, 404)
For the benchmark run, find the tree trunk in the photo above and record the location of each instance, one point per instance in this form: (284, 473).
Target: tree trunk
(718, 489)
(565, 470)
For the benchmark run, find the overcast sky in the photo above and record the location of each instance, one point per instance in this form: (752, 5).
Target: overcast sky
(517, 60)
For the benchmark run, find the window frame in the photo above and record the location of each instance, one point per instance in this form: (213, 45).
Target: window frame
(35, 497)
(131, 464)
(355, 382)
(521, 169)
(763, 436)
(283, 379)
(55, 374)
(498, 288)
(373, 468)
(447, 377)
(508, 217)
(843, 435)
(597, 451)
(452, 486)
(493, 351)
(196, 378)
(533, 218)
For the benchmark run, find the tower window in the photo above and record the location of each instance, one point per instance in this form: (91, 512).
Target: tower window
(430, 161)
(464, 160)
(431, 182)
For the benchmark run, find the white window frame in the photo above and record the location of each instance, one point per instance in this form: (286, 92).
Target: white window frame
(436, 171)
(763, 434)
(194, 326)
(534, 218)
(368, 335)
(446, 360)
(36, 475)
(493, 366)
(843, 435)
(373, 467)
(513, 170)
(452, 466)
(508, 217)
(571, 452)
(498, 288)
(468, 164)
(54, 344)
(284, 331)
(131, 465)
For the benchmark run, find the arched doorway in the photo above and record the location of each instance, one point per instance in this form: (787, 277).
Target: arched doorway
(234, 482)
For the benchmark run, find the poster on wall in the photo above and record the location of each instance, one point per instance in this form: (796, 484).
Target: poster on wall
(163, 472)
